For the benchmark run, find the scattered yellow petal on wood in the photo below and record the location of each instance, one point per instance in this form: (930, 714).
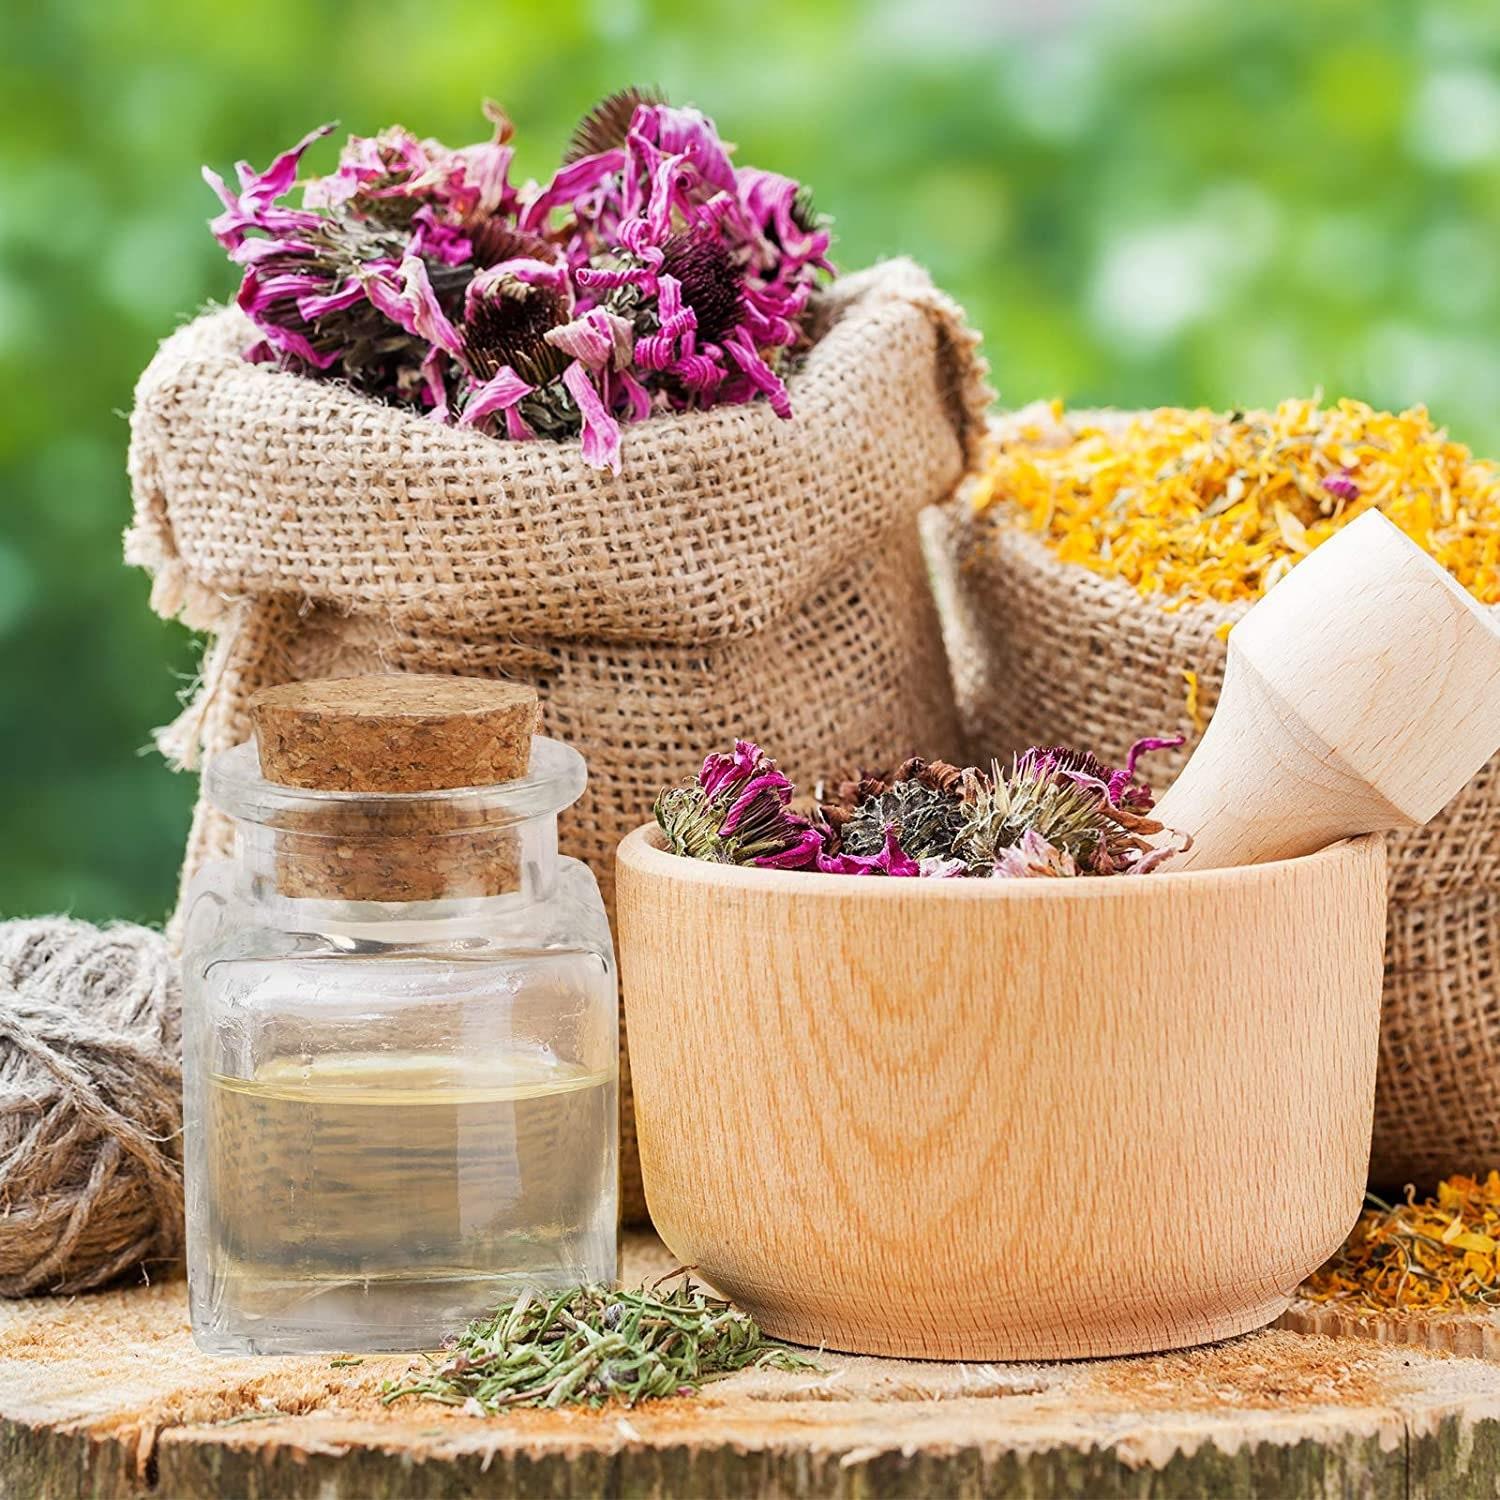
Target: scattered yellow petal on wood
(1432, 1254)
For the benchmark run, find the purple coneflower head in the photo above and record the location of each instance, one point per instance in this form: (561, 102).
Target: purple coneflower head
(393, 176)
(607, 125)
(737, 811)
(509, 309)
(722, 771)
(1117, 785)
(711, 284)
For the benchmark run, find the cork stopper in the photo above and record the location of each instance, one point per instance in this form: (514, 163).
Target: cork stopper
(396, 734)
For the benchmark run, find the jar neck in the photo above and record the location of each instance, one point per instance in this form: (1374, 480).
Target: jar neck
(358, 875)
(338, 855)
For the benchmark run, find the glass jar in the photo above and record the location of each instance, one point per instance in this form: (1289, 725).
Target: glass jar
(400, 1061)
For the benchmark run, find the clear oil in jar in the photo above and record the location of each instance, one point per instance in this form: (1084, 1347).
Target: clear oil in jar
(365, 1198)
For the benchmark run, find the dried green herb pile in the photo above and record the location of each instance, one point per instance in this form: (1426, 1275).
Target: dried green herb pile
(591, 1345)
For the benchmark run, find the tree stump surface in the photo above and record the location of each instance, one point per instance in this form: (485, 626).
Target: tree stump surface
(106, 1395)
(1473, 1332)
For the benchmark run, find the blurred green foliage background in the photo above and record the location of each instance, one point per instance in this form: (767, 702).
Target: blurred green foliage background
(1139, 203)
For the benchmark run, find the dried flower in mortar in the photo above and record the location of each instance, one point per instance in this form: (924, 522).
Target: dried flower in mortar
(1438, 1254)
(1057, 812)
(738, 812)
(922, 804)
(1060, 811)
(650, 274)
(590, 1345)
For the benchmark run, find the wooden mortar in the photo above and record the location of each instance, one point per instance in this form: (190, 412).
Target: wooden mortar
(1004, 1119)
(384, 740)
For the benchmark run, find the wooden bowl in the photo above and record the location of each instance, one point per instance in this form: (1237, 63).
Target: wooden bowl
(1004, 1120)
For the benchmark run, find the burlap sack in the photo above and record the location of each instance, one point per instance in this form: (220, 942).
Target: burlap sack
(740, 576)
(1046, 652)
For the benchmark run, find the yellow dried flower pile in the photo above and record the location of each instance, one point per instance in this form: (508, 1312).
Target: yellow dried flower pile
(1197, 506)
(1439, 1254)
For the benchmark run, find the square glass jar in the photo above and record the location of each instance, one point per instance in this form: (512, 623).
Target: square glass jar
(398, 1112)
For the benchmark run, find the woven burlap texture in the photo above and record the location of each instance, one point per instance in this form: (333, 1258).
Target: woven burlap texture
(740, 576)
(1049, 652)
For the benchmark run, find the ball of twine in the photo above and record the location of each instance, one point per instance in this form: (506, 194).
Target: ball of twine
(90, 1104)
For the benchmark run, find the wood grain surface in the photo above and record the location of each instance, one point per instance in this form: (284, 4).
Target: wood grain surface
(1004, 1119)
(1361, 694)
(106, 1396)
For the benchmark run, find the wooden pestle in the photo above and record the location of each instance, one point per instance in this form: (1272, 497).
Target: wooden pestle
(1361, 694)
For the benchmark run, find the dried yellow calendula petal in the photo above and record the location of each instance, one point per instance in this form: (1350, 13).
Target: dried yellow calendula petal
(1194, 711)
(1420, 1255)
(1203, 506)
(1293, 532)
(1480, 1244)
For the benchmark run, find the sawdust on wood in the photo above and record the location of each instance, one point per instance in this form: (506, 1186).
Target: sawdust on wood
(1265, 1371)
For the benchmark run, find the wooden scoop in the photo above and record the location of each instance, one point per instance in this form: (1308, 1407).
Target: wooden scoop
(1360, 695)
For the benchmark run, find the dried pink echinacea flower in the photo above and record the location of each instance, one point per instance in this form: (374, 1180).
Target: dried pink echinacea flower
(650, 274)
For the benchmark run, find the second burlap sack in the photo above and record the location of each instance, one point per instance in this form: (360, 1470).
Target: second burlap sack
(741, 576)
(1047, 652)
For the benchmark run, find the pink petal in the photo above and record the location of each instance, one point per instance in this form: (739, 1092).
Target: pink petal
(438, 241)
(486, 171)
(685, 133)
(316, 305)
(413, 305)
(434, 385)
(497, 394)
(252, 206)
(596, 338)
(759, 373)
(637, 397)
(567, 185)
(1146, 746)
(601, 433)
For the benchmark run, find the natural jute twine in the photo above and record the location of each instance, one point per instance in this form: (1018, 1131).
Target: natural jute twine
(90, 1105)
(1044, 651)
(741, 575)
